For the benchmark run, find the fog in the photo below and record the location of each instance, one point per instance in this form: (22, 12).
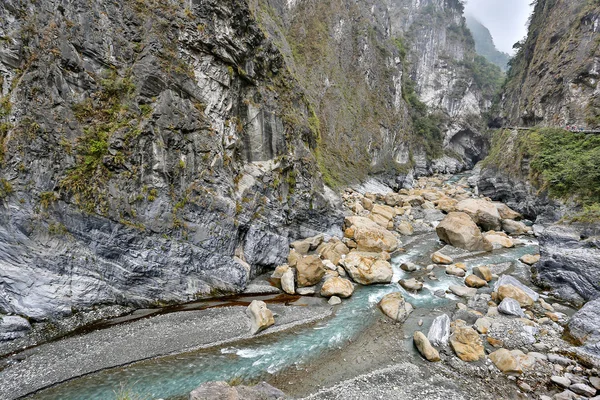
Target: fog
(506, 19)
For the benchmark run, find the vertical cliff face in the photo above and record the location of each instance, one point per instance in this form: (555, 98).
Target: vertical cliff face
(553, 80)
(156, 151)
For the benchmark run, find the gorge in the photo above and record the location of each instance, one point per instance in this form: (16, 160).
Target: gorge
(165, 163)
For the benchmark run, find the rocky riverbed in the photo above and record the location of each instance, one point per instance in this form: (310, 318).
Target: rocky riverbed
(430, 296)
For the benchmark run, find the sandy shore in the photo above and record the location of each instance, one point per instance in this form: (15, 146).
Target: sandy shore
(51, 363)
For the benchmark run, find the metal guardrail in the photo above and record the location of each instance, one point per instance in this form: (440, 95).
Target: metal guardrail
(573, 129)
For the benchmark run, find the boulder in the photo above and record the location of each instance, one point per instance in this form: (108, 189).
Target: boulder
(446, 204)
(499, 241)
(483, 272)
(463, 291)
(337, 286)
(459, 230)
(367, 270)
(530, 259)
(279, 271)
(439, 332)
(466, 343)
(456, 271)
(425, 348)
(405, 228)
(474, 281)
(505, 212)
(583, 389)
(302, 247)
(306, 291)
(369, 236)
(411, 284)
(334, 301)
(408, 267)
(561, 381)
(386, 212)
(293, 258)
(585, 324)
(395, 307)
(510, 306)
(483, 325)
(440, 258)
(333, 251)
(509, 280)
(13, 327)
(223, 391)
(309, 270)
(288, 281)
(515, 227)
(484, 213)
(260, 316)
(505, 361)
(516, 293)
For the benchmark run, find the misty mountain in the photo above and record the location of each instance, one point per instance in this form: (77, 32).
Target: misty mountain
(484, 43)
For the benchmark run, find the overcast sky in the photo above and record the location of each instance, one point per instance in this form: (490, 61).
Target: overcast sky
(506, 19)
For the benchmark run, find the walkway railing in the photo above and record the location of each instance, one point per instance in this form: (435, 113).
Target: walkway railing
(574, 129)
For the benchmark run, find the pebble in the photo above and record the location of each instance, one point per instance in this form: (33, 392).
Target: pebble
(334, 300)
(524, 386)
(556, 359)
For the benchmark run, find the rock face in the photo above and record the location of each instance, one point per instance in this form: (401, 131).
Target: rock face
(395, 307)
(222, 391)
(570, 262)
(425, 348)
(535, 98)
(13, 327)
(260, 316)
(367, 270)
(459, 230)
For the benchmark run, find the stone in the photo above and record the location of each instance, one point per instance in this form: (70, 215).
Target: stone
(474, 281)
(279, 271)
(505, 212)
(483, 213)
(595, 381)
(524, 386)
(260, 316)
(510, 306)
(405, 228)
(546, 306)
(499, 241)
(530, 259)
(459, 230)
(367, 270)
(515, 227)
(483, 325)
(583, 389)
(463, 291)
(309, 271)
(334, 301)
(585, 324)
(306, 291)
(439, 332)
(301, 246)
(13, 327)
(513, 292)
(293, 258)
(483, 272)
(425, 348)
(439, 258)
(288, 281)
(333, 251)
(456, 271)
(556, 359)
(408, 267)
(509, 280)
(369, 236)
(395, 307)
(561, 381)
(223, 391)
(337, 287)
(367, 203)
(467, 344)
(446, 204)
(411, 284)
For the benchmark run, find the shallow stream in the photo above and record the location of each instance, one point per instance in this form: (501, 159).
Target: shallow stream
(174, 377)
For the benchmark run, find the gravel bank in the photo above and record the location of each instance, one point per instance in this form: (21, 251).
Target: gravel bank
(178, 332)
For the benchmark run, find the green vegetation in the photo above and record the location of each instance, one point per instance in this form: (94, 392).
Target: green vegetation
(6, 188)
(561, 162)
(488, 77)
(102, 118)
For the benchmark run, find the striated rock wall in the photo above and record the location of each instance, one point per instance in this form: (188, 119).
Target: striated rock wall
(553, 79)
(155, 151)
